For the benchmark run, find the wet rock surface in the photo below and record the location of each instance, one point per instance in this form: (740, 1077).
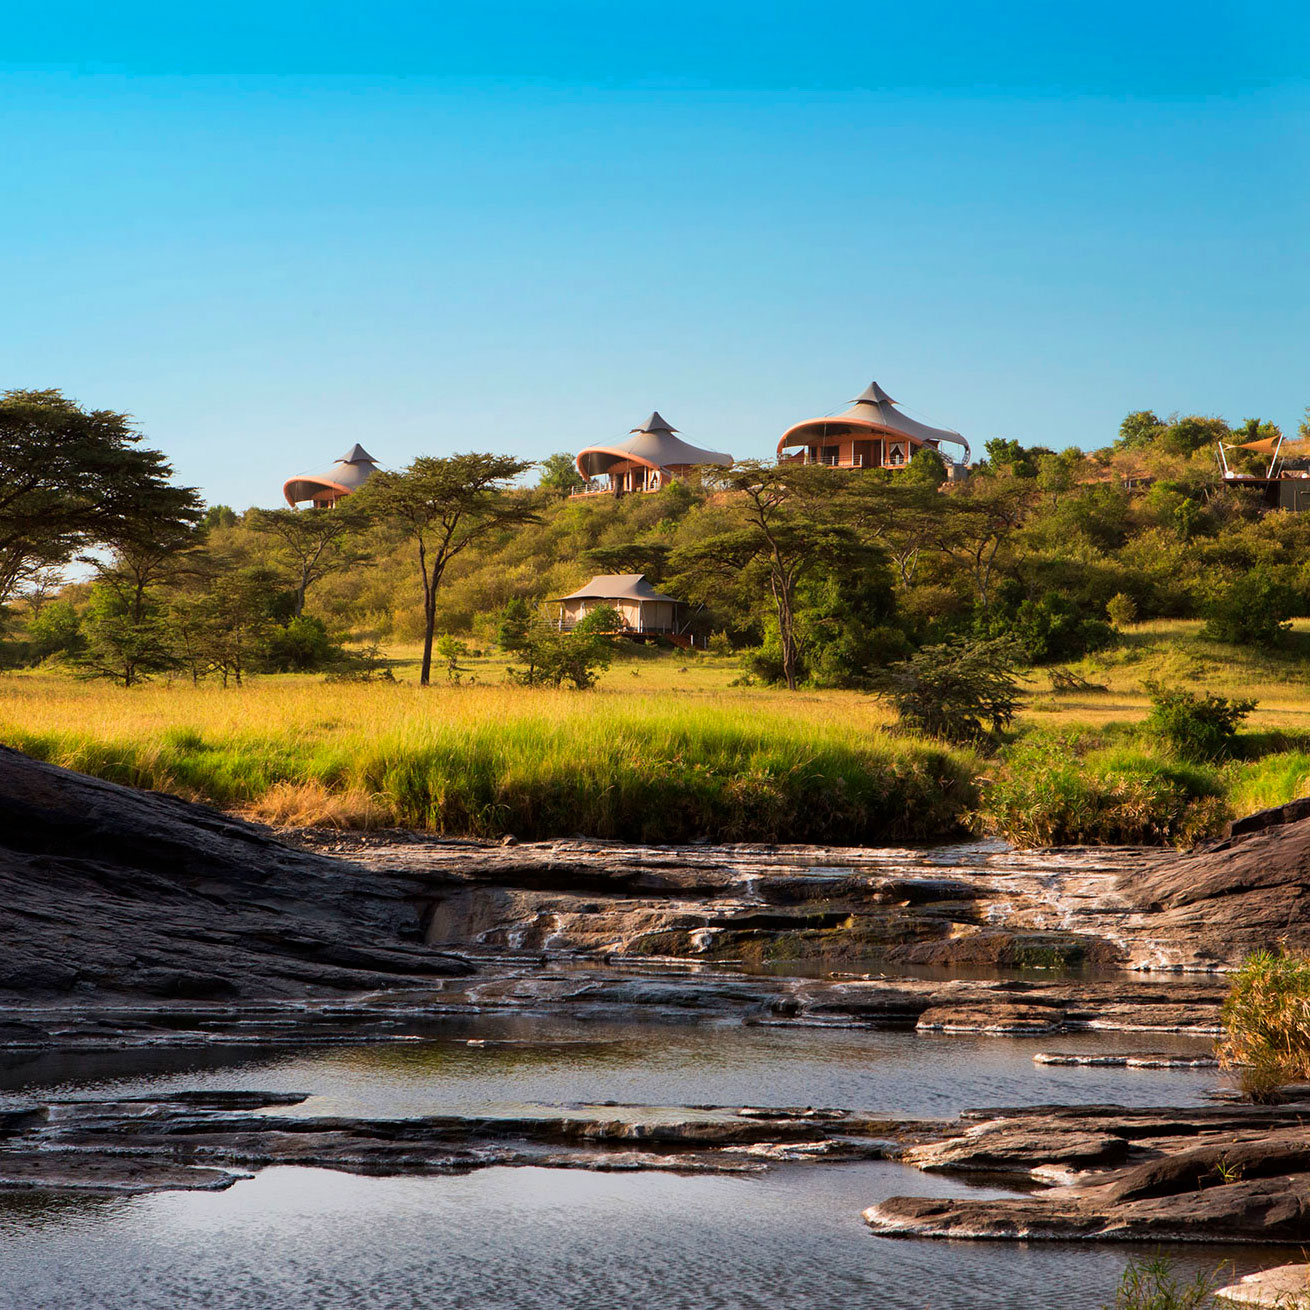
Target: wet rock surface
(208, 1141)
(1238, 1173)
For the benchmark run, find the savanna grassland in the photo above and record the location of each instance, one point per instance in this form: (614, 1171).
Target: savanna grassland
(672, 746)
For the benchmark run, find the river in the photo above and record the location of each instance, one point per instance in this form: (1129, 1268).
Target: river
(529, 1237)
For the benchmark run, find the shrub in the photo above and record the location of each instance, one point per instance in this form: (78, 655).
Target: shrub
(950, 691)
(56, 630)
(302, 645)
(1195, 727)
(1048, 794)
(1121, 609)
(1253, 611)
(1051, 628)
(1266, 1019)
(1155, 1284)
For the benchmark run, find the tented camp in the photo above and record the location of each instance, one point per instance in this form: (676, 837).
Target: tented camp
(643, 611)
(348, 474)
(873, 433)
(647, 460)
(1284, 484)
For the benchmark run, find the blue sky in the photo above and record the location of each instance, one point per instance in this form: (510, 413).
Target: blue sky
(274, 230)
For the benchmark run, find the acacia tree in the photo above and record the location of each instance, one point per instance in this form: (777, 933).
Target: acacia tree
(786, 527)
(70, 479)
(150, 539)
(974, 524)
(444, 505)
(313, 543)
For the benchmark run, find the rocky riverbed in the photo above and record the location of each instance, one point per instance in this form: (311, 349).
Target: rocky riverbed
(133, 919)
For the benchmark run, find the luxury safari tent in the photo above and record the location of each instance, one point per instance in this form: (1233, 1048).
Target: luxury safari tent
(348, 474)
(643, 611)
(873, 433)
(1285, 484)
(649, 459)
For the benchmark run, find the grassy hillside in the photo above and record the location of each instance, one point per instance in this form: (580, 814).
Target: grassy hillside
(668, 748)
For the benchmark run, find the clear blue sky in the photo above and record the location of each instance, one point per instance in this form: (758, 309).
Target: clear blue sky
(270, 229)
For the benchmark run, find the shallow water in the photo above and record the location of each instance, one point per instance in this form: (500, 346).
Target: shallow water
(538, 1238)
(529, 1238)
(535, 1061)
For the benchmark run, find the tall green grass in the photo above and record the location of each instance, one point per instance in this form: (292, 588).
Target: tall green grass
(692, 775)
(1073, 790)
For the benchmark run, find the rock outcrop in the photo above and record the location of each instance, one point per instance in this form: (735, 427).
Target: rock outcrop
(1237, 1173)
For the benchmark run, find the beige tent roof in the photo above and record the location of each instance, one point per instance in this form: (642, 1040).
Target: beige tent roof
(348, 474)
(873, 409)
(618, 586)
(653, 444)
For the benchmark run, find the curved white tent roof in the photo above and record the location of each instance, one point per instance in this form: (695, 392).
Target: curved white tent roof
(348, 474)
(618, 586)
(873, 410)
(655, 445)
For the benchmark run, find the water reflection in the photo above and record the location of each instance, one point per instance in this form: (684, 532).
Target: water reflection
(529, 1238)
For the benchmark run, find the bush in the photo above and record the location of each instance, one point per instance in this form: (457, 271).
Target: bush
(1251, 612)
(302, 645)
(578, 657)
(1121, 610)
(1195, 727)
(1052, 628)
(1266, 1020)
(950, 691)
(56, 630)
(1156, 1285)
(1048, 792)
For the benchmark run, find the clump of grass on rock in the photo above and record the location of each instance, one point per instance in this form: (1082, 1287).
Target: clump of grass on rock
(1266, 1020)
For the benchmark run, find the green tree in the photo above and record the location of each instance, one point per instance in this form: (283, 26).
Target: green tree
(515, 625)
(785, 525)
(559, 474)
(56, 629)
(926, 466)
(975, 523)
(1252, 611)
(313, 544)
(71, 479)
(224, 625)
(961, 691)
(452, 650)
(444, 505)
(124, 643)
(150, 539)
(576, 657)
(1140, 429)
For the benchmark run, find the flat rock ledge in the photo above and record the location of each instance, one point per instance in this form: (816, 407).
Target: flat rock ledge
(209, 1140)
(1104, 1173)
(1287, 1287)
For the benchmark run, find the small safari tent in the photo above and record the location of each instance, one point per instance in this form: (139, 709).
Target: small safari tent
(323, 490)
(648, 459)
(873, 433)
(643, 611)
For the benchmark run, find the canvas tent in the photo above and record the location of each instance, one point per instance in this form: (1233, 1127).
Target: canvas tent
(646, 461)
(641, 609)
(348, 474)
(873, 433)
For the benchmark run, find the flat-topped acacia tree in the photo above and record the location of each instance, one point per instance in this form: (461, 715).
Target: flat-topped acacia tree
(445, 504)
(72, 479)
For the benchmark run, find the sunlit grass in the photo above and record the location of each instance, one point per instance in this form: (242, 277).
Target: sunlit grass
(737, 764)
(666, 748)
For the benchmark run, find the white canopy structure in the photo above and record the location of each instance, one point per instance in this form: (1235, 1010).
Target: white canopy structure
(873, 433)
(642, 610)
(647, 460)
(348, 474)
